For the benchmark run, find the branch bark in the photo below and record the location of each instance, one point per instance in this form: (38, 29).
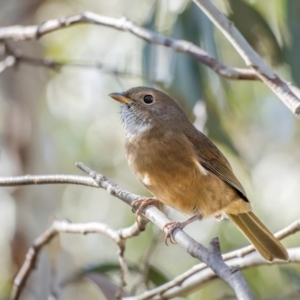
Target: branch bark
(37, 31)
(289, 95)
(185, 282)
(210, 256)
(118, 236)
(196, 276)
(200, 274)
(259, 69)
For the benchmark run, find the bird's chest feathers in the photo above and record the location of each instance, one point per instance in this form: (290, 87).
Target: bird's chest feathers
(147, 152)
(166, 165)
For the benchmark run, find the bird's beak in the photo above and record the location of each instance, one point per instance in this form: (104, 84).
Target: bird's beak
(120, 98)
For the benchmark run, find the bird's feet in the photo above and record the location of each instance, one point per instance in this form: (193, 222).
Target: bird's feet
(139, 205)
(171, 226)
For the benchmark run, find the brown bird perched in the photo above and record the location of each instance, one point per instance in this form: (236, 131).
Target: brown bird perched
(182, 168)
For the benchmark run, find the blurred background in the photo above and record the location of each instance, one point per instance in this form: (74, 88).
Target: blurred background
(50, 119)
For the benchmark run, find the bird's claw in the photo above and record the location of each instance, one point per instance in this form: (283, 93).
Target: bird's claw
(139, 205)
(177, 225)
(170, 227)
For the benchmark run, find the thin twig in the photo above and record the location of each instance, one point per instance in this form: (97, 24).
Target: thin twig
(47, 179)
(110, 186)
(197, 275)
(209, 256)
(129, 197)
(29, 263)
(184, 284)
(68, 227)
(37, 31)
(135, 228)
(123, 266)
(259, 69)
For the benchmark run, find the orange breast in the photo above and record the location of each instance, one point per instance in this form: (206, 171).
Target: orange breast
(173, 174)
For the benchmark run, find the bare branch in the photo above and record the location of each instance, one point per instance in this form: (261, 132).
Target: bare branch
(124, 268)
(111, 187)
(186, 283)
(199, 274)
(29, 264)
(37, 31)
(210, 256)
(68, 227)
(259, 69)
(47, 179)
(151, 212)
(251, 58)
(133, 230)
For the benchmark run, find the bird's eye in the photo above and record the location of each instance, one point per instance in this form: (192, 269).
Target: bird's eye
(148, 99)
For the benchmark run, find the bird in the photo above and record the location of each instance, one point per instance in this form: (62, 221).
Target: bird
(183, 169)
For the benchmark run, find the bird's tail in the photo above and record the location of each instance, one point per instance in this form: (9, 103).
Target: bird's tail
(260, 236)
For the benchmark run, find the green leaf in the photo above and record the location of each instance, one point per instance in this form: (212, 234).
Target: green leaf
(154, 275)
(104, 268)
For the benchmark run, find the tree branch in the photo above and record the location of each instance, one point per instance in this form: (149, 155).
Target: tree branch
(210, 256)
(47, 179)
(128, 197)
(37, 31)
(185, 283)
(251, 58)
(200, 274)
(29, 263)
(118, 236)
(286, 92)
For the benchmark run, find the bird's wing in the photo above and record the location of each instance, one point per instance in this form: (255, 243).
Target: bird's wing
(213, 160)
